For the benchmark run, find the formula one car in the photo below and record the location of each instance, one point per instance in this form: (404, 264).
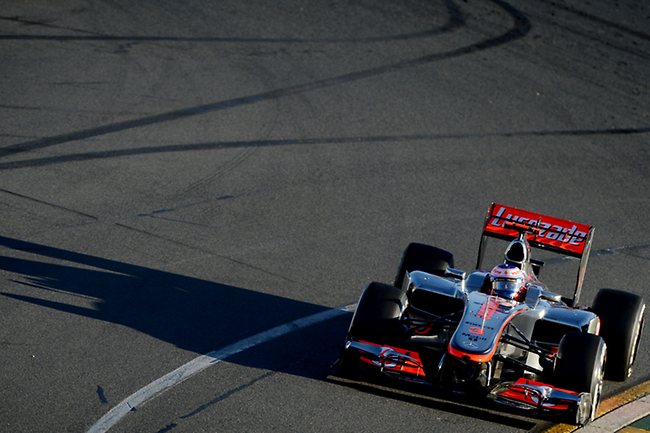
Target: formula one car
(502, 333)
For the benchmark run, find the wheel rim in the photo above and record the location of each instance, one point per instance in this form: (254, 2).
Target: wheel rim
(636, 340)
(598, 386)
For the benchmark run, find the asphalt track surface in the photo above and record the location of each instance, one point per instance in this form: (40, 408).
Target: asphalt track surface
(176, 177)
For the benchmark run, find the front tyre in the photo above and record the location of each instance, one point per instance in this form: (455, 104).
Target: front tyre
(376, 317)
(425, 258)
(580, 367)
(621, 323)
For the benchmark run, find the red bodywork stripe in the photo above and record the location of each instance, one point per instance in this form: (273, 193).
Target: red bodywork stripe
(410, 363)
(524, 396)
(481, 357)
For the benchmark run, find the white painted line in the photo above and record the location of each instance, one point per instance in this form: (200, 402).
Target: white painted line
(619, 418)
(202, 362)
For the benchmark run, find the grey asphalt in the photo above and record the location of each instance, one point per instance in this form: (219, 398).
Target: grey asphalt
(177, 176)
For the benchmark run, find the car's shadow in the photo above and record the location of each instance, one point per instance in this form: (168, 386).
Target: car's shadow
(200, 316)
(190, 313)
(476, 408)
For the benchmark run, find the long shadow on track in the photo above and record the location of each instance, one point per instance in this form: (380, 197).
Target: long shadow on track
(190, 313)
(199, 315)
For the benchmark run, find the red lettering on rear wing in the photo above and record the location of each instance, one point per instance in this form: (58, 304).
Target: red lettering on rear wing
(556, 234)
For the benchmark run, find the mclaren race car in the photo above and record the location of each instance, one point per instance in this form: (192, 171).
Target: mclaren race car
(499, 333)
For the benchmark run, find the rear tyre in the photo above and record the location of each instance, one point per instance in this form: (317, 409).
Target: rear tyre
(425, 258)
(621, 323)
(580, 367)
(376, 317)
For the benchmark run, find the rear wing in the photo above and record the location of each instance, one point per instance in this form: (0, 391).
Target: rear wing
(542, 231)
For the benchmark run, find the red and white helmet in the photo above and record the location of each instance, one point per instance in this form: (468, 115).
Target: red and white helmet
(507, 281)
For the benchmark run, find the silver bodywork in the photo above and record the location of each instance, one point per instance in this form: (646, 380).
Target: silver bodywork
(487, 335)
(440, 326)
(541, 316)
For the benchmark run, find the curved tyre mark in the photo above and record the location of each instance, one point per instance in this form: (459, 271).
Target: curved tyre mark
(520, 28)
(455, 20)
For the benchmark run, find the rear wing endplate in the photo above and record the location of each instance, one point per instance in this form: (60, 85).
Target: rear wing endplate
(550, 233)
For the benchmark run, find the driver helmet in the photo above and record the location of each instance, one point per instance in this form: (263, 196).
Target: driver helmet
(507, 281)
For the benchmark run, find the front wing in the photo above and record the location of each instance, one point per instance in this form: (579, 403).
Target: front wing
(522, 394)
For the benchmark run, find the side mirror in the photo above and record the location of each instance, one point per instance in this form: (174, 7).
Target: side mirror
(532, 296)
(551, 296)
(455, 273)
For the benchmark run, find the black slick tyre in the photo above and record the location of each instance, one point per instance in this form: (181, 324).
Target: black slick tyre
(621, 324)
(425, 258)
(580, 367)
(376, 317)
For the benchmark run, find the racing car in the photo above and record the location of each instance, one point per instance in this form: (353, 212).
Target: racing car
(499, 333)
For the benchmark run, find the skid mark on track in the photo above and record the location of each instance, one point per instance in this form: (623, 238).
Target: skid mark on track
(168, 428)
(227, 395)
(173, 424)
(181, 221)
(46, 203)
(228, 167)
(521, 27)
(101, 395)
(43, 23)
(601, 21)
(455, 20)
(343, 140)
(629, 250)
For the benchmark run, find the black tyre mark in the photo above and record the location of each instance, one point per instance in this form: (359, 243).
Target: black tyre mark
(350, 140)
(520, 28)
(599, 20)
(102, 395)
(227, 395)
(222, 171)
(56, 206)
(455, 20)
